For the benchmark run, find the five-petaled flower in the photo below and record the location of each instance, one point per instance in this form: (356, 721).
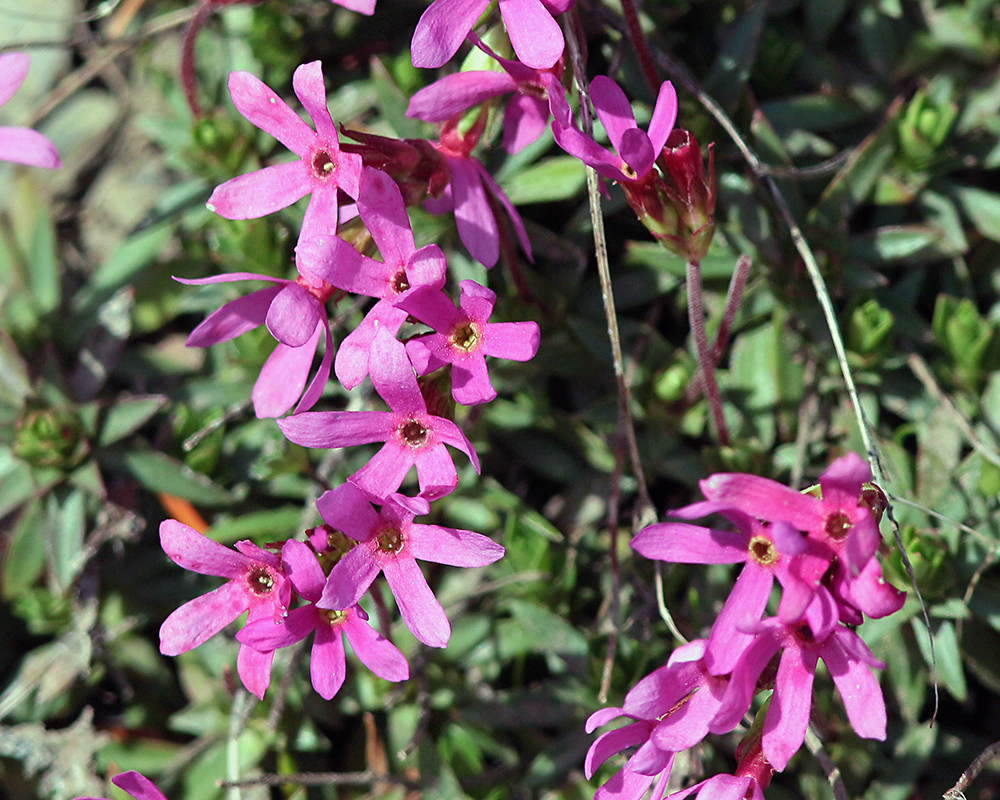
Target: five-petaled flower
(464, 338)
(256, 584)
(391, 543)
(327, 666)
(412, 436)
(321, 170)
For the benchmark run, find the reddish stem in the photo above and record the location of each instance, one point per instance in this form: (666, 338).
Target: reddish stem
(638, 38)
(696, 317)
(188, 81)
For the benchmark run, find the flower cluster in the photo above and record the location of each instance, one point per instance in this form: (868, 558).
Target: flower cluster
(822, 549)
(297, 587)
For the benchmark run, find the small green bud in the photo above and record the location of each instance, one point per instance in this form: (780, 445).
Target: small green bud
(869, 331)
(50, 437)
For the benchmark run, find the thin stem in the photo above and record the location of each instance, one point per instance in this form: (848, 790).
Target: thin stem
(815, 745)
(696, 319)
(188, 79)
(956, 791)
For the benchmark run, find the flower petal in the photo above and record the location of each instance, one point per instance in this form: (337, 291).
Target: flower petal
(350, 578)
(477, 227)
(294, 315)
(138, 786)
(318, 383)
(681, 543)
(283, 377)
(457, 548)
(788, 715)
(607, 744)
(457, 92)
(258, 103)
(392, 375)
(13, 71)
(613, 109)
(234, 318)
(534, 34)
(418, 606)
(442, 29)
(664, 117)
(374, 651)
(380, 204)
(327, 665)
(26, 146)
(858, 689)
(201, 618)
(311, 91)
(325, 429)
(259, 193)
(197, 553)
(321, 213)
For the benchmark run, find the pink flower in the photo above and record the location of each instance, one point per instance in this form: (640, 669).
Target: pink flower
(837, 520)
(672, 709)
(322, 169)
(256, 584)
(533, 32)
(327, 666)
(769, 551)
(464, 338)
(412, 436)
(635, 150)
(295, 314)
(391, 543)
(381, 208)
(468, 195)
(527, 113)
(22, 145)
(802, 642)
(135, 785)
(366, 7)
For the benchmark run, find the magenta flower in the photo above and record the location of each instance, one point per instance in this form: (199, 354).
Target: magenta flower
(468, 195)
(837, 520)
(391, 543)
(672, 709)
(295, 314)
(769, 552)
(464, 338)
(333, 260)
(327, 666)
(132, 783)
(635, 150)
(256, 584)
(534, 34)
(802, 642)
(322, 169)
(366, 7)
(412, 436)
(22, 145)
(527, 112)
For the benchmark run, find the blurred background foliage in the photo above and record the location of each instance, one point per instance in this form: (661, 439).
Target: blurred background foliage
(878, 119)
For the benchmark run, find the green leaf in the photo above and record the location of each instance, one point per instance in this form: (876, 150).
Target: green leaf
(732, 65)
(127, 415)
(273, 524)
(947, 654)
(552, 179)
(19, 482)
(24, 557)
(161, 473)
(535, 629)
(892, 243)
(66, 523)
(983, 208)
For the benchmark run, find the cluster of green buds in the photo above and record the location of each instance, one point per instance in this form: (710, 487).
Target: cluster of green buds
(923, 129)
(677, 202)
(869, 333)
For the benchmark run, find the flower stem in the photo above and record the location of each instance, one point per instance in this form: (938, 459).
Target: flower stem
(696, 318)
(642, 53)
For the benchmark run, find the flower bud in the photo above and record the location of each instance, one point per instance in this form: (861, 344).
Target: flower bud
(50, 437)
(416, 167)
(678, 207)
